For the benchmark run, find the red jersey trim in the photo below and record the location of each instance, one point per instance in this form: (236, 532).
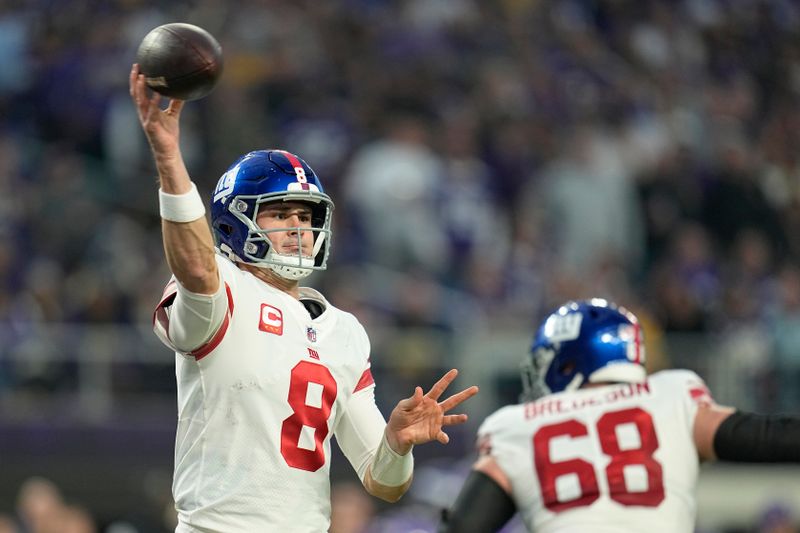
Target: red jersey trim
(701, 395)
(365, 381)
(208, 347)
(160, 316)
(169, 293)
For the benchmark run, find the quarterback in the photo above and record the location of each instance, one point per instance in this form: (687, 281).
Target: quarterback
(267, 370)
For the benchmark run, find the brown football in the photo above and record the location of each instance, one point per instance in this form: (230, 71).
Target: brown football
(180, 61)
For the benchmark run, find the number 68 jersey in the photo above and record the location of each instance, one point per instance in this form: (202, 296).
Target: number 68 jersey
(613, 458)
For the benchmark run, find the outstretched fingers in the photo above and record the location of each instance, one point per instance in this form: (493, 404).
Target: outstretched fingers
(409, 404)
(453, 420)
(459, 397)
(440, 386)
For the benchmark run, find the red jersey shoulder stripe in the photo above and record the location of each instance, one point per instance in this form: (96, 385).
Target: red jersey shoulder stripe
(365, 381)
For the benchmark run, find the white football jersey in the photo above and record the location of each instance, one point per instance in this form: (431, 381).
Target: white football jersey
(257, 407)
(617, 458)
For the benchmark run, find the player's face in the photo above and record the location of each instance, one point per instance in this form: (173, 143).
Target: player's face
(289, 216)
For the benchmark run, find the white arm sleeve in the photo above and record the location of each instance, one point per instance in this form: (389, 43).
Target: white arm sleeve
(360, 430)
(195, 318)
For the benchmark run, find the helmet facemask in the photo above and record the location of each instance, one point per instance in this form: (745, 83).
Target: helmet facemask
(536, 367)
(532, 371)
(258, 249)
(258, 178)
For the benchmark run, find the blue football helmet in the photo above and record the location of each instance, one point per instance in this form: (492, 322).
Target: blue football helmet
(584, 342)
(261, 177)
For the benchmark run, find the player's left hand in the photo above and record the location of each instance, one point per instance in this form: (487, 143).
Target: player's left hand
(420, 418)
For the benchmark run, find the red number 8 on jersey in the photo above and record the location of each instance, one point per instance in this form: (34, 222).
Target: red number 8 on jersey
(315, 417)
(548, 471)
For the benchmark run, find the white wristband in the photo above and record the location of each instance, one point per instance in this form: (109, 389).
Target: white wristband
(390, 468)
(186, 207)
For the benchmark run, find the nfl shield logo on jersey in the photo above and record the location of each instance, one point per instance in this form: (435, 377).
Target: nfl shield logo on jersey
(311, 333)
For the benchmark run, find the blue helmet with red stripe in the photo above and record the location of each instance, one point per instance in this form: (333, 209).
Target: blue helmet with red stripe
(583, 342)
(258, 178)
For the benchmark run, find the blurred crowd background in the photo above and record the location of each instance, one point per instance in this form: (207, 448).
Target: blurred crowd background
(488, 160)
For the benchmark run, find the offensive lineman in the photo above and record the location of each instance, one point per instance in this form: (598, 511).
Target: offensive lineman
(267, 370)
(599, 446)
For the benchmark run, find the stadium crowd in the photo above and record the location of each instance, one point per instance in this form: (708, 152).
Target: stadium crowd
(491, 159)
